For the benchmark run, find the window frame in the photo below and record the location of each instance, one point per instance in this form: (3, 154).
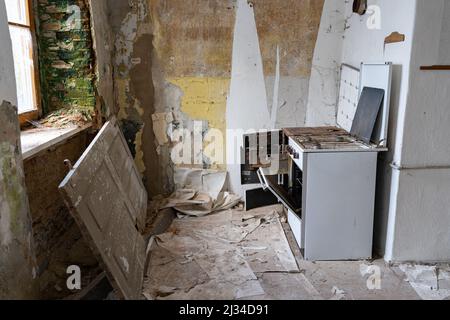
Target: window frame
(36, 113)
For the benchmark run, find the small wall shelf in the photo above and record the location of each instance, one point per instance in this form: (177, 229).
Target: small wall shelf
(435, 68)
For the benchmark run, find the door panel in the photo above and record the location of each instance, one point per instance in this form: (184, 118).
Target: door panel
(109, 202)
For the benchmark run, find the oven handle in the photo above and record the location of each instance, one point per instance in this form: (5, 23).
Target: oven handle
(262, 179)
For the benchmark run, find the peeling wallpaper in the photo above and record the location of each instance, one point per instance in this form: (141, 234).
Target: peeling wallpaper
(133, 84)
(205, 99)
(175, 57)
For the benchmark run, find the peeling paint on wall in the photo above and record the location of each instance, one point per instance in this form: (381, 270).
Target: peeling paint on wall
(205, 99)
(134, 85)
(103, 44)
(191, 47)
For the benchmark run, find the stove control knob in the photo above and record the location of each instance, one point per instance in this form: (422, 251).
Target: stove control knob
(296, 155)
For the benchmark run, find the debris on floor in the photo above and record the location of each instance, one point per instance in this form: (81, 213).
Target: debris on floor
(72, 250)
(338, 294)
(217, 256)
(67, 117)
(200, 193)
(430, 282)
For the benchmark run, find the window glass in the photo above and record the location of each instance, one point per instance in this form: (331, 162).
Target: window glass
(24, 67)
(17, 11)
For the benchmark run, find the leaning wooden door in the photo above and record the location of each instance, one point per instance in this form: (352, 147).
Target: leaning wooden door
(106, 197)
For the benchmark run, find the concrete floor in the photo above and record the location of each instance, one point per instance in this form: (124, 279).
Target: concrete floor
(354, 280)
(335, 280)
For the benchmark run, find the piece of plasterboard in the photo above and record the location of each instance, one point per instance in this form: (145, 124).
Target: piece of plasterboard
(108, 200)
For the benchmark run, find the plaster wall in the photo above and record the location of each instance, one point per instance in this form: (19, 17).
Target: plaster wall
(411, 209)
(271, 68)
(17, 262)
(364, 44)
(419, 222)
(130, 23)
(182, 55)
(103, 43)
(325, 73)
(362, 40)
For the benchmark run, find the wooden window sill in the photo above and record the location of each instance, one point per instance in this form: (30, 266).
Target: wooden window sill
(25, 117)
(35, 141)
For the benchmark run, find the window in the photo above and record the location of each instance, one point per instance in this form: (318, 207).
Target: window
(21, 29)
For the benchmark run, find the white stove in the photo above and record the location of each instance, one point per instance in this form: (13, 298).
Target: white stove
(330, 188)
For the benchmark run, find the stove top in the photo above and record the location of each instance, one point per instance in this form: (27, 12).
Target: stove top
(326, 139)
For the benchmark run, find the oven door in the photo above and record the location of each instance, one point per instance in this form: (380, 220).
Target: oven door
(285, 185)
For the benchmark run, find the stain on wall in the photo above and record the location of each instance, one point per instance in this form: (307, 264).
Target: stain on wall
(293, 26)
(191, 74)
(205, 99)
(189, 45)
(66, 55)
(193, 38)
(133, 85)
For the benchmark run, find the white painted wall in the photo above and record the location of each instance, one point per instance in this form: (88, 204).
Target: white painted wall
(324, 82)
(364, 44)
(418, 131)
(420, 228)
(426, 139)
(247, 107)
(420, 221)
(444, 56)
(359, 43)
(7, 82)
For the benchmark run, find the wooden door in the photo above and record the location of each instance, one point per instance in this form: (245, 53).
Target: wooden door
(106, 197)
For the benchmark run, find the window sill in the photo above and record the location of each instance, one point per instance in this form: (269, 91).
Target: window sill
(35, 141)
(27, 116)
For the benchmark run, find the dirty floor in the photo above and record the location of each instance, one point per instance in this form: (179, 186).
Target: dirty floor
(237, 255)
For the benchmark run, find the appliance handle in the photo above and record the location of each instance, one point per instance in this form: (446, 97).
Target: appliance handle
(262, 179)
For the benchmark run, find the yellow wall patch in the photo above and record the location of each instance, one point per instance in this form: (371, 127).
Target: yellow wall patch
(205, 99)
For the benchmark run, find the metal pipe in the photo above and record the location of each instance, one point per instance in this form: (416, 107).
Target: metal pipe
(405, 168)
